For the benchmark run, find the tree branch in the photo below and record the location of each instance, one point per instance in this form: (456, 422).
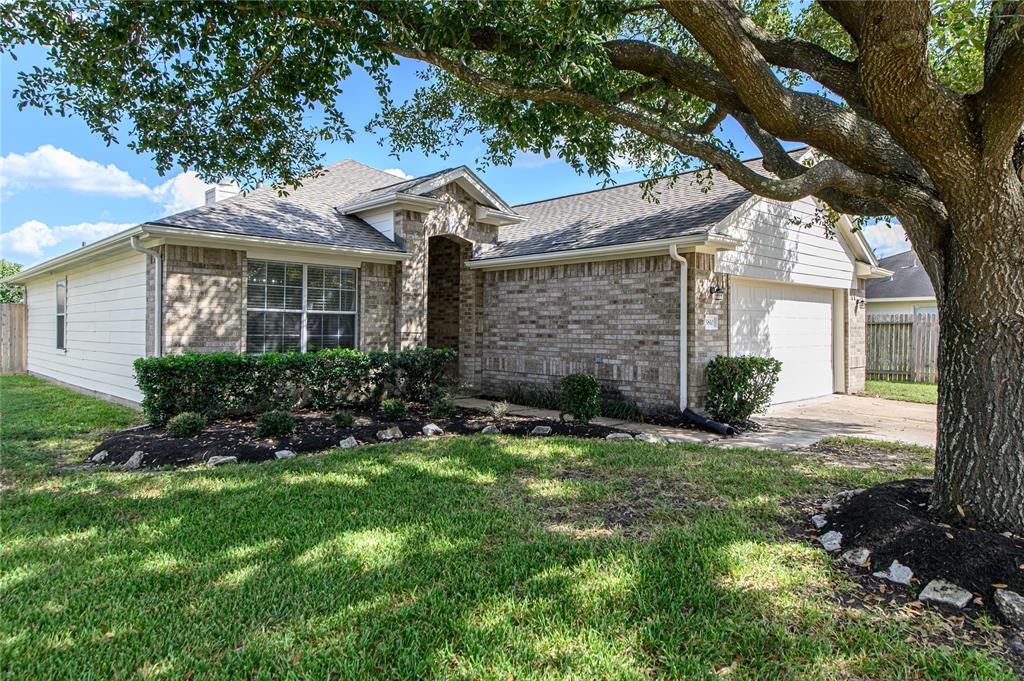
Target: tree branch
(1000, 103)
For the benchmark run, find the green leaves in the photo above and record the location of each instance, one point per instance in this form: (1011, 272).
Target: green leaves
(740, 386)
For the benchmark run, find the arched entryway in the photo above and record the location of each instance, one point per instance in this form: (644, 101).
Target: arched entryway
(445, 255)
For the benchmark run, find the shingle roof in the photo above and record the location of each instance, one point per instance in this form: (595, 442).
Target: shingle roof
(410, 186)
(621, 215)
(908, 280)
(307, 214)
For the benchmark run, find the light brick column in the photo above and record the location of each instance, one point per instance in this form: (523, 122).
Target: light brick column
(204, 299)
(856, 339)
(378, 290)
(704, 344)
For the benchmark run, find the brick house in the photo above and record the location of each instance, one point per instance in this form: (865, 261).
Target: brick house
(640, 294)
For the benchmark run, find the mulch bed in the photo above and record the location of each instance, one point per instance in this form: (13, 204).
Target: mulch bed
(314, 432)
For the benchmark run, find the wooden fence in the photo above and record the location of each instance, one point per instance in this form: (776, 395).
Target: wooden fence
(903, 347)
(13, 338)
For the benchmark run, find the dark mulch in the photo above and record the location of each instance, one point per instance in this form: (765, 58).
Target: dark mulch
(893, 521)
(314, 432)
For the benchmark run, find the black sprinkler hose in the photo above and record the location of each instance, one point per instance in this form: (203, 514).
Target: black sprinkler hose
(707, 424)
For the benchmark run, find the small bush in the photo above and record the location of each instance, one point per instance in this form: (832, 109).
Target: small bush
(740, 386)
(582, 395)
(443, 409)
(394, 409)
(186, 424)
(541, 398)
(275, 424)
(344, 418)
(498, 410)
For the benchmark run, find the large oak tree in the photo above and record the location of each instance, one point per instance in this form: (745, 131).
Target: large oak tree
(915, 108)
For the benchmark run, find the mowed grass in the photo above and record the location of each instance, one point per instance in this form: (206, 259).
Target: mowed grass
(925, 393)
(465, 557)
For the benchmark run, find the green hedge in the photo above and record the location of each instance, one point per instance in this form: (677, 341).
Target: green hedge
(222, 383)
(740, 386)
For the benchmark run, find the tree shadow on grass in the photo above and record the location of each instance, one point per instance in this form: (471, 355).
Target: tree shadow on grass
(429, 559)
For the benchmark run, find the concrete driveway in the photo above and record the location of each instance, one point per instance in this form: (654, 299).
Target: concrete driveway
(799, 424)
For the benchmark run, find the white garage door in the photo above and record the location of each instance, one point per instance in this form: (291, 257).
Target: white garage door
(793, 324)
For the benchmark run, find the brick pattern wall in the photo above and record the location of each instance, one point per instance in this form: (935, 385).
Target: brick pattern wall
(704, 345)
(443, 291)
(617, 320)
(204, 299)
(856, 340)
(377, 290)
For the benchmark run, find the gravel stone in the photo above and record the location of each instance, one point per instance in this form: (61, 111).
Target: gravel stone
(618, 436)
(897, 572)
(861, 557)
(284, 454)
(1011, 606)
(832, 541)
(432, 429)
(392, 433)
(214, 461)
(348, 443)
(541, 430)
(945, 593)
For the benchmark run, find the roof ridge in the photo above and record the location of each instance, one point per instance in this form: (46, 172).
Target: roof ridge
(627, 184)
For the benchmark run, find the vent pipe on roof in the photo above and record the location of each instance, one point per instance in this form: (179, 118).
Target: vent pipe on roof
(220, 191)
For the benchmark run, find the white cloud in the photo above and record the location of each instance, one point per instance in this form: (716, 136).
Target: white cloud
(886, 238)
(181, 192)
(30, 238)
(51, 167)
(398, 172)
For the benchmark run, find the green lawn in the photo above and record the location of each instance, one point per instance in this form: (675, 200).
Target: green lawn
(480, 557)
(925, 393)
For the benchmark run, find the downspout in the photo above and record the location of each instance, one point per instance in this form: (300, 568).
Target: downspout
(158, 298)
(673, 252)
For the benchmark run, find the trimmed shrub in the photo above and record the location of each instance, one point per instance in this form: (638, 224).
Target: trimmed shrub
(344, 418)
(393, 409)
(275, 424)
(582, 396)
(220, 383)
(740, 386)
(443, 409)
(186, 424)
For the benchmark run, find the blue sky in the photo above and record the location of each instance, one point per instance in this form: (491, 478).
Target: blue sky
(61, 185)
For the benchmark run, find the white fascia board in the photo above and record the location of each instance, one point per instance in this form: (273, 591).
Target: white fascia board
(394, 199)
(492, 216)
(473, 184)
(220, 240)
(93, 250)
(866, 271)
(630, 250)
(908, 299)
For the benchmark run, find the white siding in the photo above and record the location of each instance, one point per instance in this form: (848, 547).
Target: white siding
(775, 249)
(106, 324)
(382, 220)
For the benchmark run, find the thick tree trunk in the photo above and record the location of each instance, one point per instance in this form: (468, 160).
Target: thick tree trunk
(979, 462)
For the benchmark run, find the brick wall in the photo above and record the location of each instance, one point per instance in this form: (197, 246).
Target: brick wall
(443, 291)
(704, 344)
(617, 320)
(377, 304)
(204, 299)
(856, 340)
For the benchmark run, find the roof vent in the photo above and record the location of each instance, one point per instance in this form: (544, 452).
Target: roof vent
(220, 191)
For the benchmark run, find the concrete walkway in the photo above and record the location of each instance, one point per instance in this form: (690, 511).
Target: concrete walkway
(793, 425)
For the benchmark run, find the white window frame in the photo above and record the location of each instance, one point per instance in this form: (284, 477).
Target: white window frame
(305, 311)
(61, 332)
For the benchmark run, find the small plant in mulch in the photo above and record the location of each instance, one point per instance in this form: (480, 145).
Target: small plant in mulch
(275, 424)
(394, 409)
(498, 410)
(187, 424)
(443, 409)
(582, 395)
(344, 418)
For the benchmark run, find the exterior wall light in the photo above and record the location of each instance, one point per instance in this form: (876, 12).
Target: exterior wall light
(717, 293)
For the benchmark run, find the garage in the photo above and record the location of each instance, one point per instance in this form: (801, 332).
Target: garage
(793, 324)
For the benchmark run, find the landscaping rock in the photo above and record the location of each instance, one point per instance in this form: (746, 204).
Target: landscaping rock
(897, 573)
(432, 429)
(1011, 606)
(134, 462)
(819, 521)
(348, 443)
(490, 430)
(541, 430)
(848, 494)
(284, 454)
(618, 436)
(99, 457)
(648, 438)
(392, 433)
(861, 557)
(215, 461)
(945, 593)
(832, 541)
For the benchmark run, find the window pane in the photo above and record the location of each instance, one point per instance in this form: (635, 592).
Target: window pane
(275, 274)
(275, 297)
(348, 301)
(257, 296)
(293, 276)
(254, 344)
(315, 276)
(315, 298)
(332, 279)
(348, 279)
(62, 297)
(254, 324)
(293, 298)
(257, 272)
(332, 302)
(60, 332)
(347, 325)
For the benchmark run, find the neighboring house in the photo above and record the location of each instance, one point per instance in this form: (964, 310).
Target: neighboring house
(908, 290)
(603, 282)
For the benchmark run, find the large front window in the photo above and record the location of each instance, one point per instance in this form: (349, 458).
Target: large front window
(300, 307)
